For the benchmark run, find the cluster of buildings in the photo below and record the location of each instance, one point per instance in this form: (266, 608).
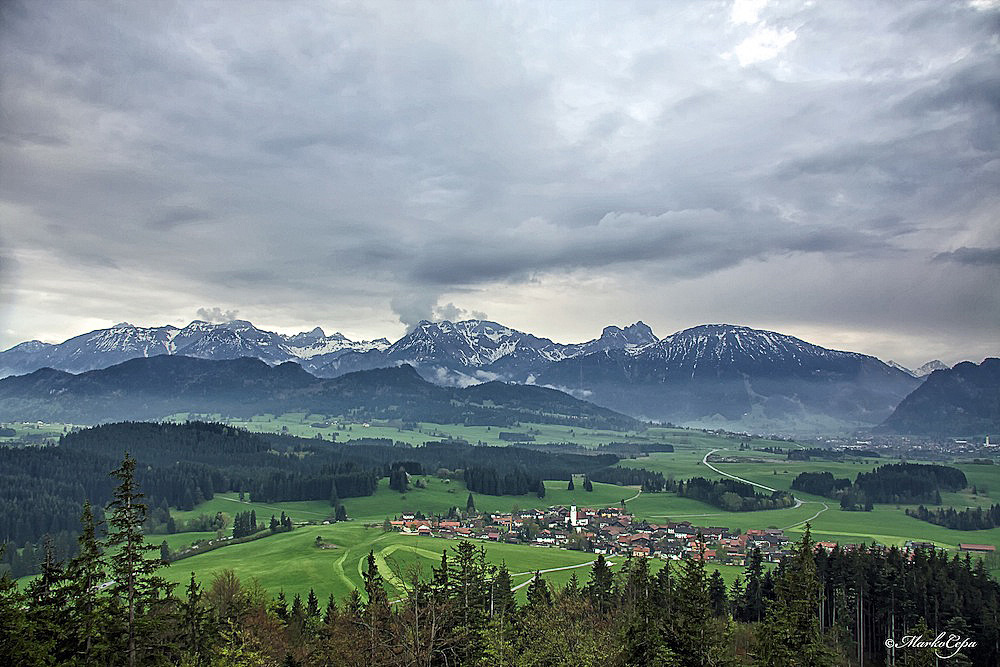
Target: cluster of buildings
(610, 531)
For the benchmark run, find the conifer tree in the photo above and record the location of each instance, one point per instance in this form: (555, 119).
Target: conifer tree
(376, 609)
(539, 597)
(48, 602)
(136, 588)
(598, 589)
(330, 613)
(85, 573)
(791, 634)
(717, 594)
(197, 628)
(697, 638)
(469, 596)
(312, 604)
(570, 487)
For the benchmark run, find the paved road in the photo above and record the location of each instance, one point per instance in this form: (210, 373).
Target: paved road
(798, 501)
(551, 569)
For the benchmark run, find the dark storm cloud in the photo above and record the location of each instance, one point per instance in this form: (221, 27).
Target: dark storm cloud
(972, 256)
(407, 161)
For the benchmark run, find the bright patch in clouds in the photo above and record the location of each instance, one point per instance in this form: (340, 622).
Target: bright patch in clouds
(764, 44)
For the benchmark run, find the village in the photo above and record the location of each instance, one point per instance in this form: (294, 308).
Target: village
(609, 531)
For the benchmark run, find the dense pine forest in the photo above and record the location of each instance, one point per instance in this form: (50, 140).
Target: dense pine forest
(906, 483)
(965, 519)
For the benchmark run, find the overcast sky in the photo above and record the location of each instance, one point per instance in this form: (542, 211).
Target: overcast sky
(825, 169)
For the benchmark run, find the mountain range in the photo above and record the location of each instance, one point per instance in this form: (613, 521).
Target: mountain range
(716, 375)
(964, 400)
(155, 387)
(204, 340)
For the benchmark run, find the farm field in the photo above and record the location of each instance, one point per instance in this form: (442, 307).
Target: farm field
(301, 424)
(35, 432)
(886, 524)
(292, 563)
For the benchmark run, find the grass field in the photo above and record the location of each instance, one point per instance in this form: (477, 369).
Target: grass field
(887, 524)
(291, 562)
(301, 424)
(37, 432)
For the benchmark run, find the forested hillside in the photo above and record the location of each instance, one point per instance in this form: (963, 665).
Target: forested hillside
(182, 465)
(152, 388)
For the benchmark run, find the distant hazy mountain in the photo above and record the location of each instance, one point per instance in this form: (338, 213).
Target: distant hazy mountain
(154, 387)
(921, 371)
(477, 350)
(738, 377)
(230, 340)
(959, 401)
(715, 375)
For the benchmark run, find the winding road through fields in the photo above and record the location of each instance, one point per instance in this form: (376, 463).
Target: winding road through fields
(798, 501)
(551, 569)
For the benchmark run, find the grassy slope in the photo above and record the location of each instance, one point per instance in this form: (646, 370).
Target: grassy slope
(291, 562)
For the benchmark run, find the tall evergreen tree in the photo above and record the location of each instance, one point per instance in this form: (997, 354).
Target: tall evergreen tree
(85, 574)
(539, 597)
(598, 589)
(791, 634)
(136, 589)
(47, 595)
(717, 594)
(197, 627)
(698, 638)
(376, 610)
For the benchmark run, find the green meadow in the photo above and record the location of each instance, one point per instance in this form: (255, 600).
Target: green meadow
(292, 562)
(34, 431)
(308, 426)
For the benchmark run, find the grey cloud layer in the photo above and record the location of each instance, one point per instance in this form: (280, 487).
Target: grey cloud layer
(387, 158)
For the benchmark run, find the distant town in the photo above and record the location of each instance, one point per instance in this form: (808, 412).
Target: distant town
(613, 531)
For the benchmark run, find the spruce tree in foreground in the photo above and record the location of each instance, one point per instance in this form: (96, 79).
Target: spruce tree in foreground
(137, 593)
(88, 607)
(791, 633)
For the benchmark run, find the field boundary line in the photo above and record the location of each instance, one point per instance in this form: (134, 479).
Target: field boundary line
(551, 569)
